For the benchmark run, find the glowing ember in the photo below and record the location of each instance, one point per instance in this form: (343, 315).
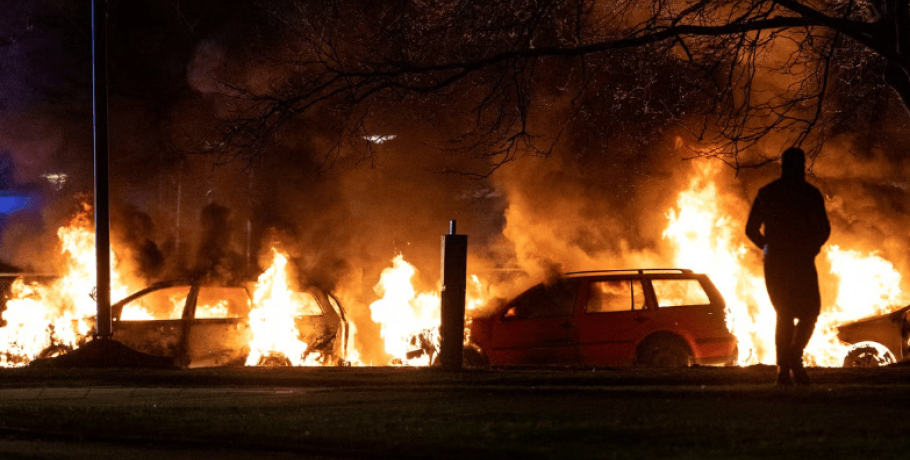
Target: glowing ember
(276, 305)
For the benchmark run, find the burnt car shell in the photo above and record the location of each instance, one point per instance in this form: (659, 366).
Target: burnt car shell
(889, 329)
(196, 339)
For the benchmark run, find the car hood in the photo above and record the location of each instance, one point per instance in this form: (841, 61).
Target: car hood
(894, 316)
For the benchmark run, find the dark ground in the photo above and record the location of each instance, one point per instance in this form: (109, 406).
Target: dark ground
(698, 413)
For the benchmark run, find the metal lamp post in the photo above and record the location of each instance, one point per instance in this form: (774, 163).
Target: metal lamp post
(102, 190)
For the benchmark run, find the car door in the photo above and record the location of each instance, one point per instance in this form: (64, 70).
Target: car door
(689, 310)
(537, 327)
(219, 332)
(152, 320)
(614, 316)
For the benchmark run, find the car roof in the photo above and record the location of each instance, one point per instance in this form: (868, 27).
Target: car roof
(631, 271)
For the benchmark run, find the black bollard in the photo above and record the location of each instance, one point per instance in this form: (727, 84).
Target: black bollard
(454, 276)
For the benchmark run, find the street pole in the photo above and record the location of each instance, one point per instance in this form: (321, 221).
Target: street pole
(452, 299)
(102, 190)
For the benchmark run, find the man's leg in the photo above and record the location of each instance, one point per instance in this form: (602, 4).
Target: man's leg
(801, 335)
(783, 341)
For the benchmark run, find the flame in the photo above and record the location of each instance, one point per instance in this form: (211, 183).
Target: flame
(867, 285)
(408, 319)
(401, 311)
(276, 305)
(40, 317)
(710, 240)
(218, 310)
(60, 314)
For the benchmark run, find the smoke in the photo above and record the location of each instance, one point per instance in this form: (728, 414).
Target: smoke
(344, 210)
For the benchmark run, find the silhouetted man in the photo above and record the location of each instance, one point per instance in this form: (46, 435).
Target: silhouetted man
(795, 227)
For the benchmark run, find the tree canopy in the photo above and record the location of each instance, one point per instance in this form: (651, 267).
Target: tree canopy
(742, 79)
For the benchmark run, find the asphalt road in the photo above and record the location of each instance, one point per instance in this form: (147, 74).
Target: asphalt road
(425, 413)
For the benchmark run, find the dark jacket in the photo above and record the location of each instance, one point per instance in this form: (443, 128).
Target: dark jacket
(793, 214)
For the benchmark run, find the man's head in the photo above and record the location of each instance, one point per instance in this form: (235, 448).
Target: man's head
(793, 163)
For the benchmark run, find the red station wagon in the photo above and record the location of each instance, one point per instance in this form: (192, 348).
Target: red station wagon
(655, 317)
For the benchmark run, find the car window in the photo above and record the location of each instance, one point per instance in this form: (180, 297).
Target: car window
(165, 303)
(222, 302)
(307, 305)
(615, 295)
(679, 292)
(557, 299)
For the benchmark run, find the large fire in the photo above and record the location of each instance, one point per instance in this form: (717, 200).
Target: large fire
(408, 319)
(704, 232)
(709, 238)
(41, 317)
(405, 316)
(276, 303)
(60, 315)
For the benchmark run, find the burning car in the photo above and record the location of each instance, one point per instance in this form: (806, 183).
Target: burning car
(655, 317)
(205, 325)
(877, 340)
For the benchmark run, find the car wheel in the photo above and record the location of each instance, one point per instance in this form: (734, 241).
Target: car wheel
(664, 353)
(474, 357)
(273, 361)
(54, 350)
(868, 354)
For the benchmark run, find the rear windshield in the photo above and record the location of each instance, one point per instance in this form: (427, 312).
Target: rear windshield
(679, 292)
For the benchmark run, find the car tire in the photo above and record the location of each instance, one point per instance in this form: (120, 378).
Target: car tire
(868, 354)
(474, 357)
(664, 353)
(273, 361)
(54, 351)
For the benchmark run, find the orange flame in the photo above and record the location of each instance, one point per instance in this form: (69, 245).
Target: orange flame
(402, 311)
(712, 241)
(63, 313)
(276, 304)
(406, 316)
(867, 285)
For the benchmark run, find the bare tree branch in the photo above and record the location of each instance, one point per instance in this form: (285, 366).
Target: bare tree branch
(727, 48)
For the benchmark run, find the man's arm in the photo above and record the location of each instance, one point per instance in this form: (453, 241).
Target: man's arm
(823, 226)
(753, 225)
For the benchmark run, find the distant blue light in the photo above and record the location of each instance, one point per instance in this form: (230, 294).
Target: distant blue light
(10, 203)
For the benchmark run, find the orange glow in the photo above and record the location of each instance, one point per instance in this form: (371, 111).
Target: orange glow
(704, 232)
